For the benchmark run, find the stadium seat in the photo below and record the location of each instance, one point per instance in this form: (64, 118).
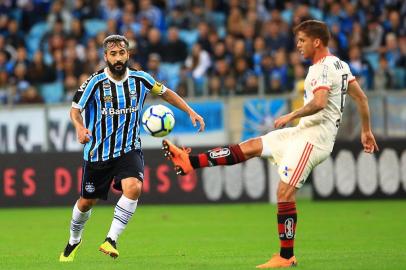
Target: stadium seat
(173, 72)
(94, 26)
(259, 115)
(52, 92)
(189, 37)
(35, 35)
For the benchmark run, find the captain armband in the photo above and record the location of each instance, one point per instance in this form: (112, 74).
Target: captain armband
(158, 89)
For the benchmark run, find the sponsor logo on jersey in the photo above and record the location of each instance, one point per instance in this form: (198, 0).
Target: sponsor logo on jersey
(289, 223)
(113, 111)
(219, 153)
(89, 187)
(313, 82)
(106, 85)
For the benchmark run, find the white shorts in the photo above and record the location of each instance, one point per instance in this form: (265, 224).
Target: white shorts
(295, 156)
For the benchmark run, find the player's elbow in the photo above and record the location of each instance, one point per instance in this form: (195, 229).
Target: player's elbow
(320, 105)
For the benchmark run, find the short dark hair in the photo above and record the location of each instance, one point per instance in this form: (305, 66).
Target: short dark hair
(314, 29)
(116, 39)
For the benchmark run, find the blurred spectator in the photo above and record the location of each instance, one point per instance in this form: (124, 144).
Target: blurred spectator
(31, 96)
(217, 80)
(110, 10)
(38, 71)
(155, 44)
(150, 12)
(4, 87)
(197, 64)
(14, 36)
(154, 69)
(178, 17)
(372, 36)
(383, 75)
(392, 52)
(360, 68)
(246, 81)
(175, 50)
(58, 13)
(203, 36)
(70, 85)
(274, 38)
(19, 82)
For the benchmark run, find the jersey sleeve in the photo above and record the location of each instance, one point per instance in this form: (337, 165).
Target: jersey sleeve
(321, 78)
(152, 85)
(84, 93)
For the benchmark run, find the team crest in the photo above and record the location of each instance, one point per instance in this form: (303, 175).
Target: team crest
(313, 82)
(89, 187)
(133, 94)
(108, 98)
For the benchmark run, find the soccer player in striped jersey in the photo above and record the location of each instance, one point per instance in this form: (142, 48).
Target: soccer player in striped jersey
(112, 99)
(296, 150)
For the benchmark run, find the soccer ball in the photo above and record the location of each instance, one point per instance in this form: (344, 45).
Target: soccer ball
(158, 120)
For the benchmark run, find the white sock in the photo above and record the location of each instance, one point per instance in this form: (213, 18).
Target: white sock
(77, 223)
(123, 212)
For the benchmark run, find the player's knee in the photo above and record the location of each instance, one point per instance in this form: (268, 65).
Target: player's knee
(132, 189)
(252, 148)
(286, 193)
(85, 205)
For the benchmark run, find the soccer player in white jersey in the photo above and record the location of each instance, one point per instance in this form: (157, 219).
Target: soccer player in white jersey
(296, 150)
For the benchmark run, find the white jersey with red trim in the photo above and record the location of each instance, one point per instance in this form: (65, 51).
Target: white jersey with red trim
(333, 75)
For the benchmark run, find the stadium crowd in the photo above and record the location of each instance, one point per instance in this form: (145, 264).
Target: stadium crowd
(212, 47)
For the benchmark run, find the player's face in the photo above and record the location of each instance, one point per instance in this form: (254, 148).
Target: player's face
(117, 57)
(305, 45)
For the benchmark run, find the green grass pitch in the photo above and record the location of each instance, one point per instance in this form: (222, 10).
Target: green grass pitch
(330, 235)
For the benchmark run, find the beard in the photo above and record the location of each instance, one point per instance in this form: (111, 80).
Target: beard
(119, 68)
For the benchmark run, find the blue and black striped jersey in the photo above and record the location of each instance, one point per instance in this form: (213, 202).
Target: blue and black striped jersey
(112, 111)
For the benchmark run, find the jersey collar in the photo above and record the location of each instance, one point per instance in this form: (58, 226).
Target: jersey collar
(115, 81)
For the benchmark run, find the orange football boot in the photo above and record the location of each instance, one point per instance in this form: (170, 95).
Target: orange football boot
(279, 262)
(178, 156)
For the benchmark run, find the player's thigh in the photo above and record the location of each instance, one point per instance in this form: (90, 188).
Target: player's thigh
(298, 161)
(129, 166)
(96, 179)
(275, 143)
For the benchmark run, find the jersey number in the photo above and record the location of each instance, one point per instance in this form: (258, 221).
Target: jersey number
(344, 87)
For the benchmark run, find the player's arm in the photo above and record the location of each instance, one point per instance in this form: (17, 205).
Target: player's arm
(83, 134)
(367, 137)
(79, 102)
(172, 98)
(318, 103)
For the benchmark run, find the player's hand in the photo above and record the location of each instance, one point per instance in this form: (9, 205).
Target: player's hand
(283, 120)
(83, 135)
(368, 141)
(194, 117)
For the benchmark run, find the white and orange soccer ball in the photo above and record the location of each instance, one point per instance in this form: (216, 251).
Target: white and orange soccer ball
(158, 120)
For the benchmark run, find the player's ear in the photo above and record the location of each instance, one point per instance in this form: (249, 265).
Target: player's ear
(105, 56)
(316, 42)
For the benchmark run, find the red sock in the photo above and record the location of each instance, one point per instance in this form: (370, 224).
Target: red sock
(226, 155)
(287, 217)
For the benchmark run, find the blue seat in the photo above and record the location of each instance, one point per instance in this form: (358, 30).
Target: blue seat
(189, 37)
(52, 92)
(94, 26)
(172, 70)
(35, 35)
(259, 115)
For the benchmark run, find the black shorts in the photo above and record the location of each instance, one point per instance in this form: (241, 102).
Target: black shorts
(97, 176)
